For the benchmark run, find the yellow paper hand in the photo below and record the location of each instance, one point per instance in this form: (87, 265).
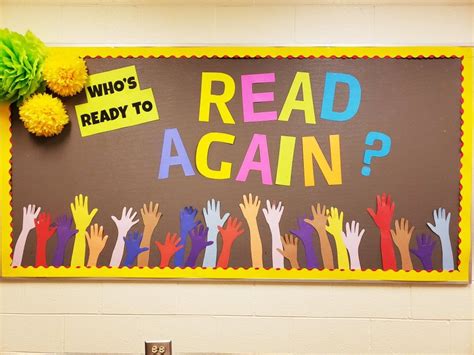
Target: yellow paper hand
(334, 227)
(82, 219)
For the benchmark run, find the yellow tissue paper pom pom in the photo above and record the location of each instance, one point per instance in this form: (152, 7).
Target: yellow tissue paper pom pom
(43, 115)
(65, 75)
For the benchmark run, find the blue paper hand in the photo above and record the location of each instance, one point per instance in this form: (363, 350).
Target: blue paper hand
(132, 248)
(187, 222)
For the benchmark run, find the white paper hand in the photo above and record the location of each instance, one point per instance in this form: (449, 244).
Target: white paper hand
(273, 213)
(212, 216)
(30, 213)
(123, 226)
(352, 237)
(126, 221)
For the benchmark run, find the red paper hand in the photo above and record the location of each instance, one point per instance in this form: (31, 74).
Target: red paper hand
(383, 220)
(44, 231)
(169, 248)
(229, 234)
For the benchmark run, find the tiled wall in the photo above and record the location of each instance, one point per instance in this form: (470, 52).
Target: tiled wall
(93, 316)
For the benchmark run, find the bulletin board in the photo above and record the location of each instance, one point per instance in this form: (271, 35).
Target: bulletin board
(248, 163)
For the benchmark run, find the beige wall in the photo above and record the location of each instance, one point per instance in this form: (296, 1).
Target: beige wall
(98, 316)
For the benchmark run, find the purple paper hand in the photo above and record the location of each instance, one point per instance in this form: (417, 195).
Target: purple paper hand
(425, 247)
(305, 234)
(132, 248)
(199, 241)
(65, 233)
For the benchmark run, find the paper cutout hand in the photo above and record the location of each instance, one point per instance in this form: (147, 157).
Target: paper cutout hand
(82, 219)
(30, 213)
(126, 221)
(187, 218)
(187, 223)
(385, 209)
(250, 208)
(44, 232)
(80, 212)
(441, 229)
(352, 238)
(273, 213)
(96, 242)
(150, 216)
(290, 250)
(305, 234)
(335, 221)
(319, 222)
(320, 218)
(304, 231)
(168, 248)
(199, 241)
(229, 234)
(401, 237)
(424, 251)
(65, 233)
(334, 227)
(212, 216)
(231, 231)
(132, 248)
(383, 220)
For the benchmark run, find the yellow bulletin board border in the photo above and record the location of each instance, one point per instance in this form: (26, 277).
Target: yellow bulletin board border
(461, 275)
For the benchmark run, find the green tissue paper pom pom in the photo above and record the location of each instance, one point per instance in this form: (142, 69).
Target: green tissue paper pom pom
(21, 65)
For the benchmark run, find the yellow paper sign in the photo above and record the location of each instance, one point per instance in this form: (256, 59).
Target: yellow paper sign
(114, 101)
(112, 82)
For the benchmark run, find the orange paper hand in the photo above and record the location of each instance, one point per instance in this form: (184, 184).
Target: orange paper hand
(96, 242)
(250, 208)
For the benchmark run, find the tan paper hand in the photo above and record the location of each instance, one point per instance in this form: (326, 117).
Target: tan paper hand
(250, 208)
(150, 216)
(96, 242)
(320, 217)
(401, 236)
(318, 222)
(290, 250)
(335, 221)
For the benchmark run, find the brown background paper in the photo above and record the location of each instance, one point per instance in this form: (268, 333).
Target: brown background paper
(416, 102)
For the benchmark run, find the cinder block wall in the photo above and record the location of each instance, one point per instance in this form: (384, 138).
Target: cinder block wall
(97, 316)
